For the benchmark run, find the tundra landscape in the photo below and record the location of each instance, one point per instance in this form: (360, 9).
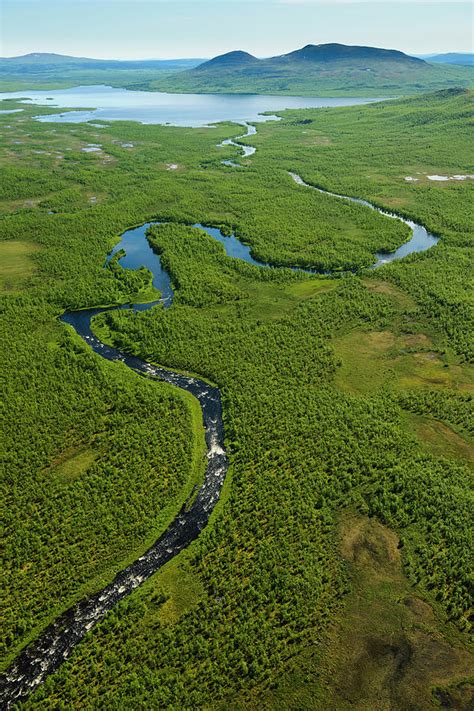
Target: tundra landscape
(237, 345)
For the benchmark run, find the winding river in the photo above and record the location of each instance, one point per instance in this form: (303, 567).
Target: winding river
(247, 151)
(57, 641)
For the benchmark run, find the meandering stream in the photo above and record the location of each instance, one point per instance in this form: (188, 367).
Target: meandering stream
(247, 151)
(57, 641)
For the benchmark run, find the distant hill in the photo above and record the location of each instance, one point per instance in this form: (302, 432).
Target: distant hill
(314, 70)
(43, 60)
(451, 58)
(329, 53)
(325, 69)
(48, 71)
(309, 59)
(231, 60)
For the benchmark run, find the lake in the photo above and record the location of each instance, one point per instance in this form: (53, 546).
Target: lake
(105, 103)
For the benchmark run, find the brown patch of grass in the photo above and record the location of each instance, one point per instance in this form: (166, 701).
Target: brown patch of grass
(389, 650)
(399, 297)
(386, 650)
(417, 340)
(396, 202)
(73, 462)
(316, 140)
(362, 354)
(429, 369)
(372, 359)
(16, 264)
(361, 547)
(438, 438)
(458, 697)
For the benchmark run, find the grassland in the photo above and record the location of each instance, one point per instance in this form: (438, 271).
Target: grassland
(17, 264)
(341, 501)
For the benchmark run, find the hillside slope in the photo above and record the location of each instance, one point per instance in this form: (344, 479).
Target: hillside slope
(314, 70)
(333, 69)
(466, 59)
(44, 70)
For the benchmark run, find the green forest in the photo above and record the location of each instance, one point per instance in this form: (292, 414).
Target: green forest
(342, 540)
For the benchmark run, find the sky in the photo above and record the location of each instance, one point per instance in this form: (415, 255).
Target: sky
(151, 29)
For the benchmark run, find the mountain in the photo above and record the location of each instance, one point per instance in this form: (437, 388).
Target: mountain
(43, 60)
(47, 70)
(328, 53)
(314, 70)
(324, 69)
(228, 61)
(451, 58)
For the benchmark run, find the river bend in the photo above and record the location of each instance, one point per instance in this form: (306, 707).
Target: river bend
(43, 656)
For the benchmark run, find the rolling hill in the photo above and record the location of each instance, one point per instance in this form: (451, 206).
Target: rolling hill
(44, 70)
(334, 69)
(314, 70)
(41, 61)
(466, 59)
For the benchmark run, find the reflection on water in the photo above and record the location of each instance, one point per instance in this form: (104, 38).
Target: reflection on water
(108, 104)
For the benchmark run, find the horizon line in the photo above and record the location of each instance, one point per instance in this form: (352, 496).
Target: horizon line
(181, 57)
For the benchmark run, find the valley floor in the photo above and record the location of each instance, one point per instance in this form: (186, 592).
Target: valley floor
(335, 569)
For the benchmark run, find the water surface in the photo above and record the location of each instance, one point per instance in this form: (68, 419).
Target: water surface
(109, 104)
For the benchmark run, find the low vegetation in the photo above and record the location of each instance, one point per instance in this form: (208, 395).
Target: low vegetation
(315, 70)
(328, 385)
(318, 70)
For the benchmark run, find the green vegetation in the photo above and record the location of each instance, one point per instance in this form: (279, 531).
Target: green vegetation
(56, 71)
(318, 70)
(16, 264)
(386, 652)
(319, 377)
(314, 70)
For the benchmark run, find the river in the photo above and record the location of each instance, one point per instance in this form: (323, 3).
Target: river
(57, 641)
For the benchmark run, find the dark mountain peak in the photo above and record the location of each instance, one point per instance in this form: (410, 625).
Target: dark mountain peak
(337, 52)
(236, 59)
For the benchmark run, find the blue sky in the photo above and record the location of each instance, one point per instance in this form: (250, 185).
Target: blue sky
(203, 28)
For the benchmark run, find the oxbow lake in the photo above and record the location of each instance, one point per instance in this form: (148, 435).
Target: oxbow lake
(96, 103)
